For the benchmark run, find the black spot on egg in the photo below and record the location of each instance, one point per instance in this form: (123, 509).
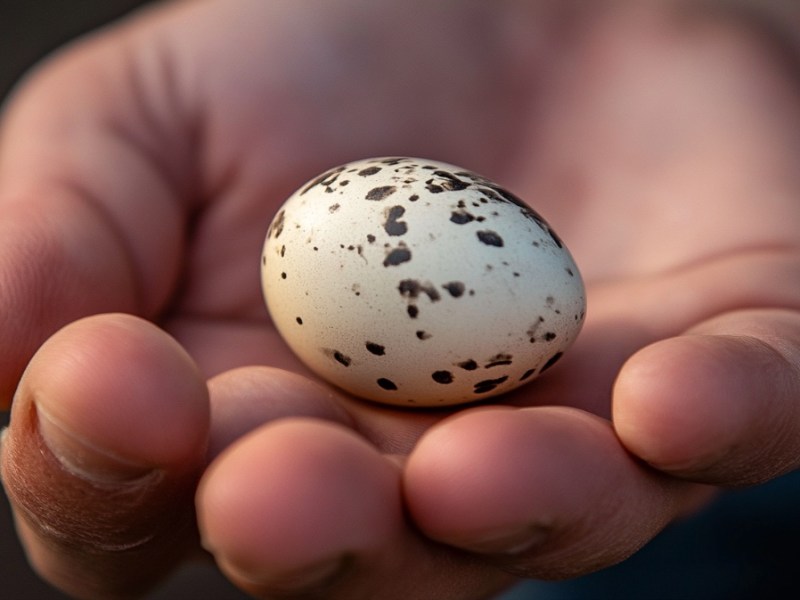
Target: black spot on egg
(276, 228)
(555, 237)
(397, 257)
(370, 238)
(326, 179)
(413, 198)
(334, 207)
(455, 288)
(299, 320)
(342, 358)
(412, 289)
(487, 385)
(412, 311)
(490, 194)
(369, 171)
(468, 365)
(387, 384)
(498, 360)
(423, 335)
(376, 349)
(450, 182)
(461, 217)
(533, 329)
(527, 374)
(553, 360)
(549, 336)
(490, 238)
(381, 193)
(393, 225)
(283, 275)
(443, 377)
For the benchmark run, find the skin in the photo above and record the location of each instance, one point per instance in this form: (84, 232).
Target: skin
(139, 170)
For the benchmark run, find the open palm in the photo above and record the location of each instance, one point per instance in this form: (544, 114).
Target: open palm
(139, 172)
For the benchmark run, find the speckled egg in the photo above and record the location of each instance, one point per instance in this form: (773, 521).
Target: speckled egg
(413, 282)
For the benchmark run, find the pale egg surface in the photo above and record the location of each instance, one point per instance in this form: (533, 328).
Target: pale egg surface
(413, 282)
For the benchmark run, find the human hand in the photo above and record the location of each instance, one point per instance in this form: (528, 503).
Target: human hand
(138, 175)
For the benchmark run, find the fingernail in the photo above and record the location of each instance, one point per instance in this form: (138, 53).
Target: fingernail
(80, 457)
(511, 541)
(302, 580)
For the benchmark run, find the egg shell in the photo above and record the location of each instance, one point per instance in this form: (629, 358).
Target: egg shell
(413, 282)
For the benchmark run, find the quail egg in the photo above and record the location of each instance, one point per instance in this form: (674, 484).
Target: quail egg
(414, 282)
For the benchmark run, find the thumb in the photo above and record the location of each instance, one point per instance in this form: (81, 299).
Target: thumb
(108, 434)
(90, 214)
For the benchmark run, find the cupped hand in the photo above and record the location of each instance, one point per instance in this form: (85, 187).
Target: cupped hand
(139, 171)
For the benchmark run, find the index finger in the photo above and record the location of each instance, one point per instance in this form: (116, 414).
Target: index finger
(90, 220)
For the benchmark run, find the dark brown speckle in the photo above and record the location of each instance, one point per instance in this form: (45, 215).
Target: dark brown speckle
(397, 257)
(498, 360)
(376, 349)
(387, 384)
(276, 228)
(412, 289)
(455, 288)
(393, 225)
(381, 193)
(342, 358)
(490, 238)
(461, 217)
(553, 360)
(443, 377)
(487, 385)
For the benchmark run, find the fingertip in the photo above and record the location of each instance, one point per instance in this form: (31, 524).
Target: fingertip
(659, 402)
(121, 386)
(293, 499)
(701, 406)
(545, 492)
(466, 478)
(102, 455)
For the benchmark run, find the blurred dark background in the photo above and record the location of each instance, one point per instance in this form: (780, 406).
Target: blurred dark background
(746, 546)
(29, 29)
